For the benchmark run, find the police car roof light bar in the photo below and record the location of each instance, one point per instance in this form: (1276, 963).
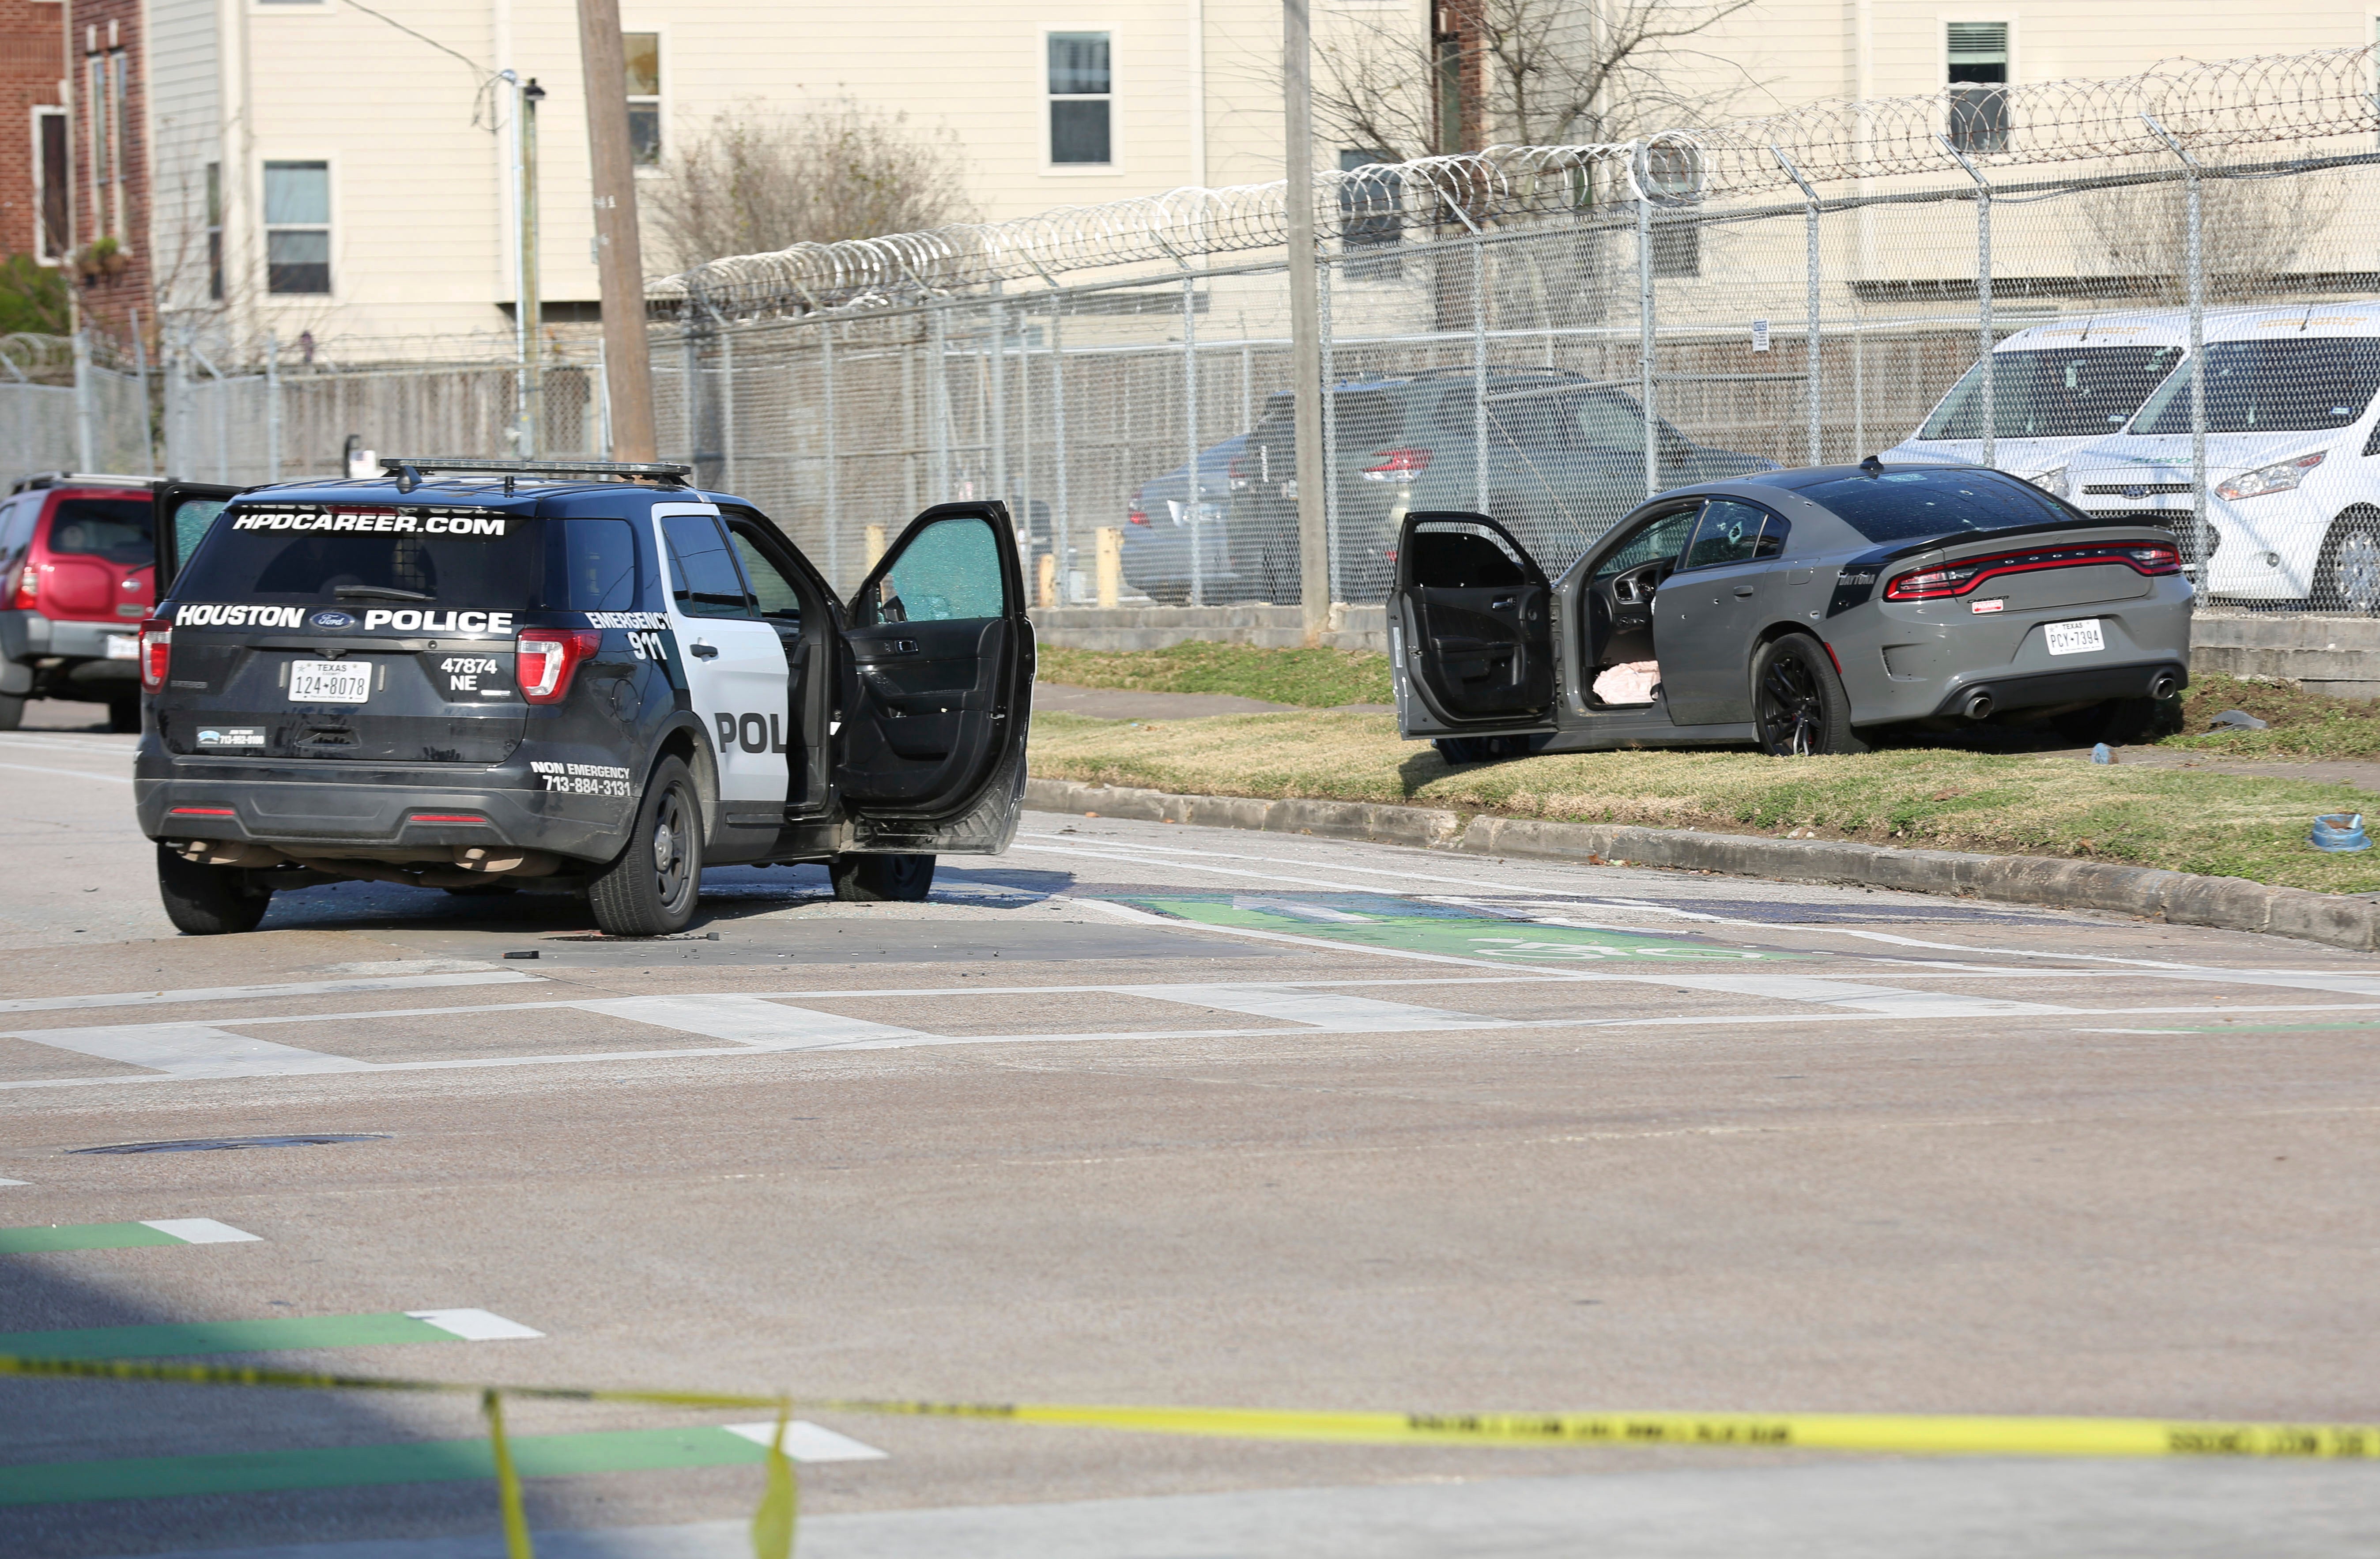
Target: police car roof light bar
(408, 470)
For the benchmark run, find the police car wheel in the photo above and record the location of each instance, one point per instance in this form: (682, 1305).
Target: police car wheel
(124, 715)
(652, 888)
(12, 710)
(208, 900)
(866, 879)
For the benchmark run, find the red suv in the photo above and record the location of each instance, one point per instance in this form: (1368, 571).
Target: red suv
(75, 582)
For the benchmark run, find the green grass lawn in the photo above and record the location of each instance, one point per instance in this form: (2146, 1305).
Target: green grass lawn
(2023, 803)
(1313, 678)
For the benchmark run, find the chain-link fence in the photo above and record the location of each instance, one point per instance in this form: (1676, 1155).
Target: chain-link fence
(2028, 277)
(71, 403)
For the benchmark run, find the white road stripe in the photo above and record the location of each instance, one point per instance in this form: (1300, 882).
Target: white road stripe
(191, 1050)
(234, 992)
(902, 1039)
(1859, 997)
(70, 774)
(807, 1442)
(1324, 1009)
(200, 1231)
(750, 1020)
(476, 1326)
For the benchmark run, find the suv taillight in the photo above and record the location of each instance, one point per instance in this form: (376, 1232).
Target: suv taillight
(156, 651)
(1398, 465)
(29, 589)
(547, 658)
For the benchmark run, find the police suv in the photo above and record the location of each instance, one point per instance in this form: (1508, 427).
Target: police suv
(473, 675)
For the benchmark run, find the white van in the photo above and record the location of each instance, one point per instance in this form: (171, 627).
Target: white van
(2293, 485)
(2059, 386)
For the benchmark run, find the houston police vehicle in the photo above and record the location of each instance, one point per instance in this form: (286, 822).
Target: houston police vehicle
(477, 675)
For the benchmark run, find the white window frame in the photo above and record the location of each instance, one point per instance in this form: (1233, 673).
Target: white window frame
(661, 101)
(264, 228)
(1942, 23)
(42, 111)
(1115, 166)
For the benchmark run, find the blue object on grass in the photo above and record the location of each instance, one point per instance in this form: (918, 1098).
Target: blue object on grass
(2340, 832)
(2100, 754)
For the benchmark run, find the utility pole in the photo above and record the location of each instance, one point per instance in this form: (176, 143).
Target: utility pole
(532, 301)
(620, 267)
(1304, 321)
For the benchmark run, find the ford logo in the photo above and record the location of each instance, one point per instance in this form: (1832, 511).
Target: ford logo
(333, 619)
(2129, 492)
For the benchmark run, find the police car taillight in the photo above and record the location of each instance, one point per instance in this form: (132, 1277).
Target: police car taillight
(547, 658)
(156, 651)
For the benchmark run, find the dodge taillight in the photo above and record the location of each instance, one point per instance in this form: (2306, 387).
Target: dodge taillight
(547, 657)
(1398, 465)
(156, 651)
(1957, 578)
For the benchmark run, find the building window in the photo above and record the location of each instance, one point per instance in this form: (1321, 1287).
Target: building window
(214, 232)
(297, 227)
(1081, 98)
(53, 184)
(644, 55)
(1979, 73)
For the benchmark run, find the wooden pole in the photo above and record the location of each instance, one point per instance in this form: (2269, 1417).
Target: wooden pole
(620, 268)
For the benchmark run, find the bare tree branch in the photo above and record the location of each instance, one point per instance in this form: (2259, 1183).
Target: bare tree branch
(754, 183)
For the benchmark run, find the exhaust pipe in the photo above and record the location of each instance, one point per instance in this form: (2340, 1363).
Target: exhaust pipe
(1978, 705)
(2164, 685)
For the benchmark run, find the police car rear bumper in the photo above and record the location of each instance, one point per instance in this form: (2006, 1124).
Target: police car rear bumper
(370, 806)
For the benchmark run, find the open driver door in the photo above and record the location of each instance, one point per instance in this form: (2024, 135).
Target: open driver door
(937, 689)
(1471, 630)
(183, 512)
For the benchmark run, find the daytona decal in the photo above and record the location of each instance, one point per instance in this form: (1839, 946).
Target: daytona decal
(420, 522)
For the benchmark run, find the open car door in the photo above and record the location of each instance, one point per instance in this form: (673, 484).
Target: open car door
(937, 688)
(1472, 630)
(184, 510)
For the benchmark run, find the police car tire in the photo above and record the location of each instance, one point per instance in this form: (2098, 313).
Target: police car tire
(124, 715)
(12, 710)
(638, 895)
(882, 878)
(208, 900)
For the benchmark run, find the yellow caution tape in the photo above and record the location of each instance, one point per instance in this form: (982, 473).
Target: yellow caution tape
(1898, 1433)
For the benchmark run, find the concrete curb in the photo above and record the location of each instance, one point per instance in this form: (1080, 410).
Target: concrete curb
(2180, 897)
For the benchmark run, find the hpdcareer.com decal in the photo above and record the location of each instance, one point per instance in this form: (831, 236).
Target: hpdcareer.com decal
(410, 522)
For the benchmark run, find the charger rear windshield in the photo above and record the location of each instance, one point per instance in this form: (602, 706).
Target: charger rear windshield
(459, 558)
(1913, 506)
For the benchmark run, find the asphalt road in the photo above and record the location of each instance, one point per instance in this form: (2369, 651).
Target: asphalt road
(1148, 1114)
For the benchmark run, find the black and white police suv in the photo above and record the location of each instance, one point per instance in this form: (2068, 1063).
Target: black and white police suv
(476, 675)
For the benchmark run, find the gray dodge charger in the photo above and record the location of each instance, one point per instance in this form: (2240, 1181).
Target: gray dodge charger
(1792, 609)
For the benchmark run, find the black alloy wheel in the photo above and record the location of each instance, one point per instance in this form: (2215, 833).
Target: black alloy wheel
(1798, 707)
(652, 888)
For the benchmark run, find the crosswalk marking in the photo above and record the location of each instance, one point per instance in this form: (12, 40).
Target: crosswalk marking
(200, 1231)
(191, 1050)
(1858, 997)
(750, 1020)
(1334, 1010)
(807, 1442)
(258, 992)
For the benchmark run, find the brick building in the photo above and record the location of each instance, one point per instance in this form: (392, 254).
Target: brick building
(110, 259)
(36, 151)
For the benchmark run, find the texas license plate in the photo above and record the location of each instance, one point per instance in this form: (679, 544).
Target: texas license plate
(330, 681)
(2074, 639)
(123, 647)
